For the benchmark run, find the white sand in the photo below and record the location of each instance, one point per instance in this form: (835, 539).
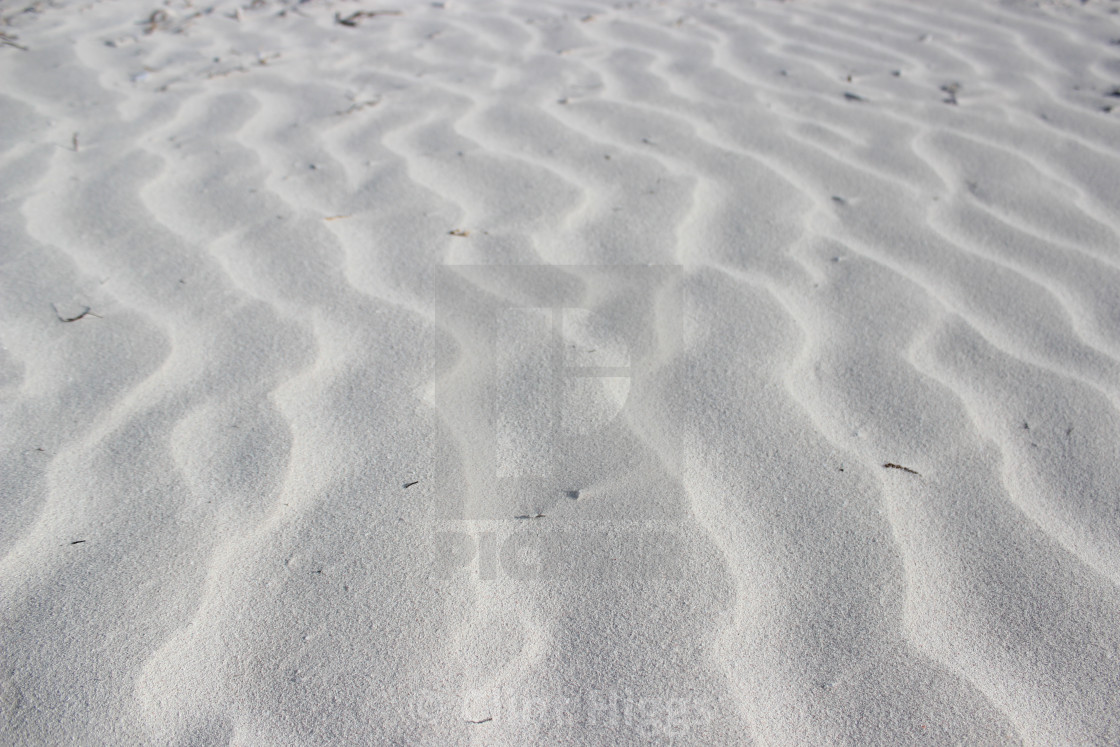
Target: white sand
(793, 242)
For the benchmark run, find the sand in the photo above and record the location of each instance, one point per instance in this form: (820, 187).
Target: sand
(560, 372)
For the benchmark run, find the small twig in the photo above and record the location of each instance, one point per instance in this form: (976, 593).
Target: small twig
(85, 312)
(77, 542)
(853, 96)
(410, 484)
(226, 73)
(10, 40)
(353, 19)
(892, 465)
(481, 721)
(357, 106)
(527, 516)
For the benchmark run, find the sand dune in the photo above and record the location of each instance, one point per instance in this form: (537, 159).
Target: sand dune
(566, 372)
